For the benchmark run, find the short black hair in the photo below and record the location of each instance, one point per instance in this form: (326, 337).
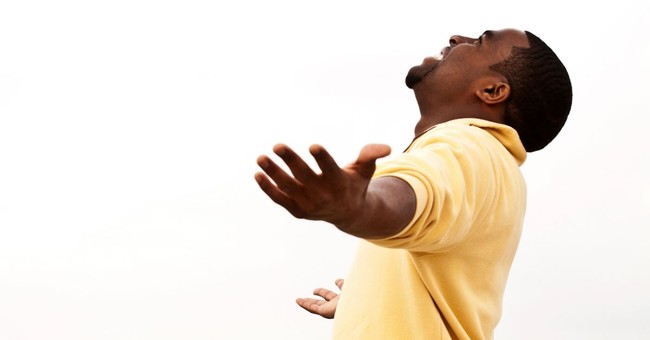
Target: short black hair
(540, 96)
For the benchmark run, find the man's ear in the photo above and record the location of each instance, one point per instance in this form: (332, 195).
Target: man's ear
(494, 93)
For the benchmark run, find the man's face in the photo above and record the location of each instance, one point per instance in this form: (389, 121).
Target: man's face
(465, 59)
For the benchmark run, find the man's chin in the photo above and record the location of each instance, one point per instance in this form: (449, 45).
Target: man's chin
(417, 73)
(412, 80)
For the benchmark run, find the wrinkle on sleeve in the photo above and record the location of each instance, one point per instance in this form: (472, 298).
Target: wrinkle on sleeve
(453, 179)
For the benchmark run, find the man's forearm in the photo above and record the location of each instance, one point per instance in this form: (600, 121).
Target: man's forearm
(389, 206)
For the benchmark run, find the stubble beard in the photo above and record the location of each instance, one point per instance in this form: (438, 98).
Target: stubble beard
(417, 73)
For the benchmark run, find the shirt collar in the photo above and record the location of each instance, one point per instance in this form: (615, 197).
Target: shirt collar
(505, 134)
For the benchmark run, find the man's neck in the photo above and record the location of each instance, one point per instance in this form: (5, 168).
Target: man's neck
(429, 119)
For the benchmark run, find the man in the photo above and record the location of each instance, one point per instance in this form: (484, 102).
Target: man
(441, 222)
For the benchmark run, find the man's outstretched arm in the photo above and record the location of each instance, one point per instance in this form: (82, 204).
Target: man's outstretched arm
(347, 197)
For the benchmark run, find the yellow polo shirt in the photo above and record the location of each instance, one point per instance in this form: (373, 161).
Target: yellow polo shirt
(443, 276)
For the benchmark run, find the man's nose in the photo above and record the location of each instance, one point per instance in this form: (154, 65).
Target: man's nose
(459, 39)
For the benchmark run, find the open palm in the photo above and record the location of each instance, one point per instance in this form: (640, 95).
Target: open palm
(325, 307)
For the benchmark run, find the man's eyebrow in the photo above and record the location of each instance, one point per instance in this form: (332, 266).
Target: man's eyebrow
(487, 35)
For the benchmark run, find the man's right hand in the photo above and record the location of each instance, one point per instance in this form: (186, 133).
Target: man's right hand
(325, 307)
(336, 195)
(347, 197)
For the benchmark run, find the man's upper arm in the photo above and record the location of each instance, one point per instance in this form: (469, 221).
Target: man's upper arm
(450, 180)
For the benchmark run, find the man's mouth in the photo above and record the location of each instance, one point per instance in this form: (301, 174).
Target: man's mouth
(442, 54)
(417, 73)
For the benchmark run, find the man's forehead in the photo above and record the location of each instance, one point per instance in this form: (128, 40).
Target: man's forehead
(508, 35)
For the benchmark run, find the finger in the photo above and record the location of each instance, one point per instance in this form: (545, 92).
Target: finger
(319, 307)
(311, 305)
(325, 161)
(372, 152)
(271, 190)
(298, 167)
(282, 180)
(325, 293)
(339, 283)
(365, 163)
(277, 195)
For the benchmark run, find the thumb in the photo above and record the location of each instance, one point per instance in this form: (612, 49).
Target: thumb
(365, 163)
(339, 283)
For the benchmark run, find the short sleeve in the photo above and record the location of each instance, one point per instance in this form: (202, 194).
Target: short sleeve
(453, 178)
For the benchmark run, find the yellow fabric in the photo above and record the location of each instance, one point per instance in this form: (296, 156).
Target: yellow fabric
(444, 275)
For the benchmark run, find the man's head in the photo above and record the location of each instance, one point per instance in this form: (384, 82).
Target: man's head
(507, 76)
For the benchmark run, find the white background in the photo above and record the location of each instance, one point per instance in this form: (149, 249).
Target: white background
(129, 132)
